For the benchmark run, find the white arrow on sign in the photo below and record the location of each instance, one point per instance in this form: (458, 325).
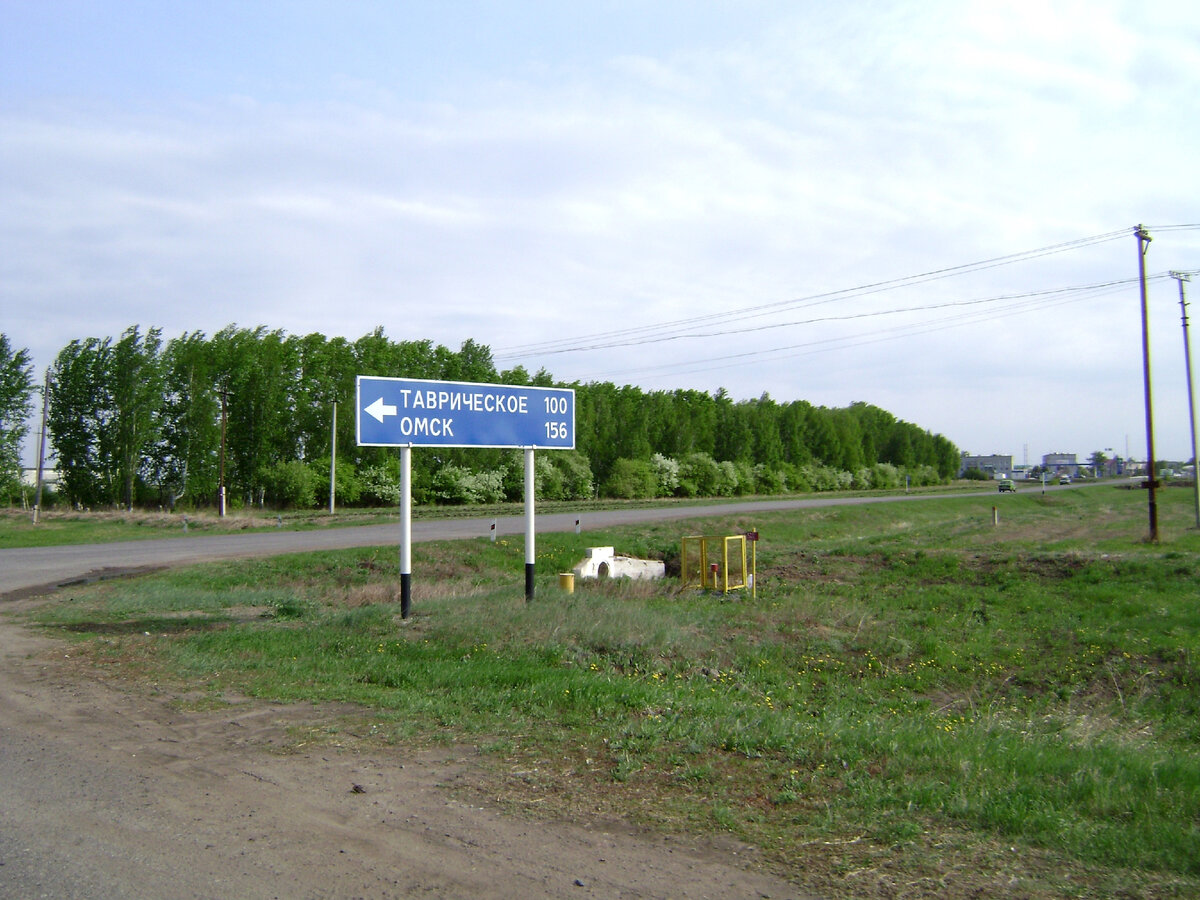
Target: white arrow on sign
(379, 409)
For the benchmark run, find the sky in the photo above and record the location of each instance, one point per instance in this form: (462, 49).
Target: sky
(927, 206)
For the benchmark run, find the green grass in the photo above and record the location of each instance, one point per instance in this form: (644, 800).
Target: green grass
(915, 693)
(59, 526)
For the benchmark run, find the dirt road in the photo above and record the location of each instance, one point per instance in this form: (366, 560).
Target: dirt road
(112, 791)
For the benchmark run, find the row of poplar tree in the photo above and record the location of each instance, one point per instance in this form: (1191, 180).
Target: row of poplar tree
(139, 421)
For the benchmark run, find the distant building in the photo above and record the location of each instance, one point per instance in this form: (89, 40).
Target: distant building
(50, 476)
(1060, 464)
(996, 466)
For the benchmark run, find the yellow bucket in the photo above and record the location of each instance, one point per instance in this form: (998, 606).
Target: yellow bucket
(566, 582)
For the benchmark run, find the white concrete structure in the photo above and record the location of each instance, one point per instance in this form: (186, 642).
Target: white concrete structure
(602, 562)
(50, 476)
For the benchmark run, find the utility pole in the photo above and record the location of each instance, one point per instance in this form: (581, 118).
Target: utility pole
(1181, 277)
(333, 458)
(1143, 239)
(37, 497)
(224, 392)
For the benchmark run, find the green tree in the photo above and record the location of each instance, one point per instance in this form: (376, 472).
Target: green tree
(768, 441)
(822, 437)
(472, 363)
(79, 412)
(134, 378)
(946, 457)
(849, 457)
(16, 400)
(105, 406)
(596, 425)
(633, 437)
(281, 389)
(793, 432)
(257, 370)
(694, 423)
(734, 439)
(875, 425)
(898, 448)
(184, 460)
(324, 375)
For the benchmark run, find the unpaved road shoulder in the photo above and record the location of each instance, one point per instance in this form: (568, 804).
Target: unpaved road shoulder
(113, 792)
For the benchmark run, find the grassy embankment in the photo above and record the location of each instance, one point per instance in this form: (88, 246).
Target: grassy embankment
(918, 702)
(57, 526)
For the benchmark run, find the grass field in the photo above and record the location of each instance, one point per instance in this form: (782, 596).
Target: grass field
(57, 526)
(919, 702)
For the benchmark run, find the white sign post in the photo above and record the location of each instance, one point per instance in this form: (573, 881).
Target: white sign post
(530, 490)
(405, 531)
(407, 413)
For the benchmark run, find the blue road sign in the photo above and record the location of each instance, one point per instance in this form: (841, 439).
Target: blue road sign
(402, 412)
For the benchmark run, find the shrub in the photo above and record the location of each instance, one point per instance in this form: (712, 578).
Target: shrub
(925, 475)
(549, 478)
(378, 486)
(699, 476)
(728, 482)
(821, 478)
(290, 484)
(576, 472)
(455, 485)
(885, 476)
(768, 480)
(631, 479)
(666, 470)
(345, 479)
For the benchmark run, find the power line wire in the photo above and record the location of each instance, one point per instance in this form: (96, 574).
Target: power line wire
(1027, 303)
(666, 329)
(607, 344)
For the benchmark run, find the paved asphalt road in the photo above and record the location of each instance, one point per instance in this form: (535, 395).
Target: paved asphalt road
(26, 568)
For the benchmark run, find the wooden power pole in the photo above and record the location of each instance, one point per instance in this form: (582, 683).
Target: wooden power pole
(1181, 277)
(1143, 239)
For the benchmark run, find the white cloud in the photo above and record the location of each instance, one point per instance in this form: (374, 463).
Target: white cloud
(837, 148)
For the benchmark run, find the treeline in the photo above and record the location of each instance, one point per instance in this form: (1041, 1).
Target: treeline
(137, 420)
(16, 402)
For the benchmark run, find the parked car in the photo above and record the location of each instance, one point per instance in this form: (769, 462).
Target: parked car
(1064, 479)
(1007, 486)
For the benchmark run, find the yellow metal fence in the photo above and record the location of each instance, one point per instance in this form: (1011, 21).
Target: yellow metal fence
(716, 562)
